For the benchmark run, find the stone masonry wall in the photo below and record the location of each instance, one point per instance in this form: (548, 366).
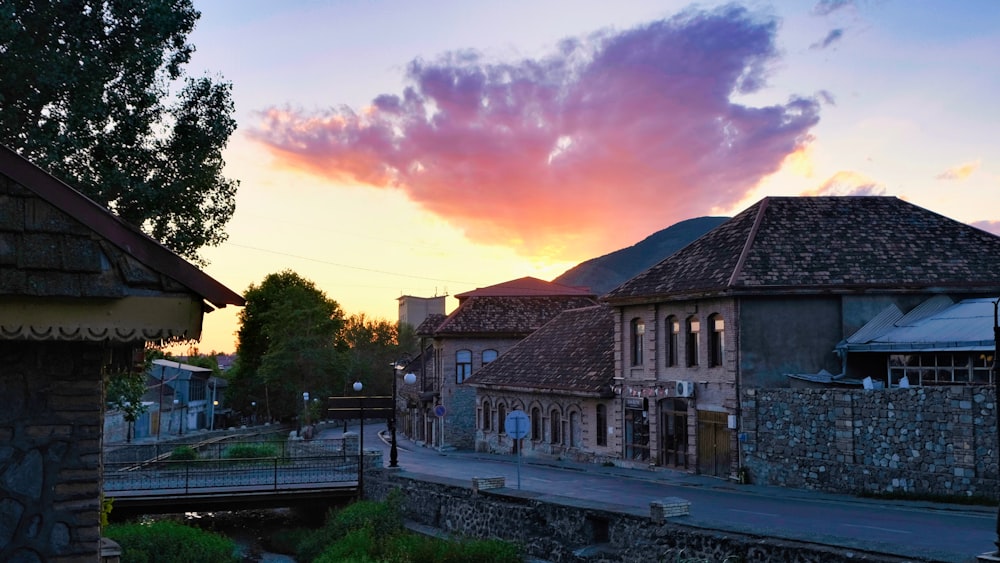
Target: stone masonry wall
(50, 451)
(922, 441)
(552, 531)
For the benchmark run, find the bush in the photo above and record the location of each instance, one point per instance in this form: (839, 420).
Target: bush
(381, 519)
(183, 453)
(247, 451)
(170, 542)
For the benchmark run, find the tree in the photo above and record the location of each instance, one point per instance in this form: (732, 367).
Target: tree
(289, 342)
(84, 88)
(374, 345)
(124, 393)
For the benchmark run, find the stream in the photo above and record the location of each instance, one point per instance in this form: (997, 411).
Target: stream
(251, 530)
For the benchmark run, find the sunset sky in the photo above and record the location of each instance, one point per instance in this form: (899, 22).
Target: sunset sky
(391, 147)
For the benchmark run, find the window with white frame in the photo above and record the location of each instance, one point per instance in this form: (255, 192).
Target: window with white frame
(948, 368)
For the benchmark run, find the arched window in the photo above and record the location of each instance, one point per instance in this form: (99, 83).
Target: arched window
(463, 365)
(602, 425)
(489, 356)
(693, 328)
(555, 424)
(501, 417)
(486, 416)
(716, 342)
(672, 332)
(536, 424)
(638, 330)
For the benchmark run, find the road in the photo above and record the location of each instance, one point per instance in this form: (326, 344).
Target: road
(944, 532)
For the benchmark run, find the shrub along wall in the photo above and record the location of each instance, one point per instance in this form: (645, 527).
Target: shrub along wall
(917, 441)
(552, 531)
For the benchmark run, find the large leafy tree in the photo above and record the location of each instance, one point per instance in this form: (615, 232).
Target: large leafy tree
(290, 341)
(86, 91)
(374, 345)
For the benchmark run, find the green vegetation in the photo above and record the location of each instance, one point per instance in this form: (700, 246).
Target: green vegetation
(170, 542)
(373, 532)
(184, 453)
(250, 451)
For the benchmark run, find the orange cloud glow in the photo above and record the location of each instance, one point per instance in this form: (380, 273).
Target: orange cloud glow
(847, 183)
(591, 148)
(960, 172)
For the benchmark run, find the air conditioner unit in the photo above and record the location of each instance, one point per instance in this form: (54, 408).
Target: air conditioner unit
(685, 389)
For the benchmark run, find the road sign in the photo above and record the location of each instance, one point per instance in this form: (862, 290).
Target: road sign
(516, 424)
(340, 408)
(440, 410)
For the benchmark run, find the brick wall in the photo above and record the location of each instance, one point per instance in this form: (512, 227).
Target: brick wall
(50, 451)
(927, 441)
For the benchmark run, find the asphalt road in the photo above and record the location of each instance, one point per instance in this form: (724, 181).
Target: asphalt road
(943, 532)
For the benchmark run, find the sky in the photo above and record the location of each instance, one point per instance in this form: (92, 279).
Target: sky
(400, 147)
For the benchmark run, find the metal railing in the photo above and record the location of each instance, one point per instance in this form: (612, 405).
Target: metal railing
(156, 467)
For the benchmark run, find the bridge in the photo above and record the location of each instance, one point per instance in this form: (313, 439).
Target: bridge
(230, 474)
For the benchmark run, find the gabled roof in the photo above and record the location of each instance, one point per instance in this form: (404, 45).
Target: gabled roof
(430, 324)
(964, 326)
(507, 316)
(102, 222)
(526, 286)
(574, 353)
(824, 244)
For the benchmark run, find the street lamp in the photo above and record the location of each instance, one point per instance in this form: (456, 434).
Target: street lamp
(409, 378)
(361, 440)
(305, 409)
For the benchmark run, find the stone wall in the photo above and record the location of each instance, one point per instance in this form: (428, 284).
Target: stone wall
(552, 531)
(921, 441)
(50, 451)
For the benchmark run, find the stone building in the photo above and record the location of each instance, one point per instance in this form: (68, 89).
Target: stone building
(561, 376)
(81, 292)
(767, 294)
(486, 323)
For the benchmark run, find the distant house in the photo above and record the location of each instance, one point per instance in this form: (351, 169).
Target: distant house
(767, 294)
(81, 292)
(192, 399)
(486, 323)
(561, 376)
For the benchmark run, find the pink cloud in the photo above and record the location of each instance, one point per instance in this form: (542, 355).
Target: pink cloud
(988, 226)
(846, 183)
(610, 138)
(960, 172)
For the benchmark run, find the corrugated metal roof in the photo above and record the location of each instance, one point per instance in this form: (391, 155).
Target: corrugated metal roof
(966, 325)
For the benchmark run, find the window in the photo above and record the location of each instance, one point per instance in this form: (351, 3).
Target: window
(602, 425)
(463, 365)
(638, 330)
(693, 327)
(958, 368)
(536, 424)
(501, 418)
(486, 416)
(716, 343)
(489, 356)
(554, 427)
(672, 334)
(196, 389)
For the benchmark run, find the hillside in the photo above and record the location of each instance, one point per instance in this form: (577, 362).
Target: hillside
(607, 272)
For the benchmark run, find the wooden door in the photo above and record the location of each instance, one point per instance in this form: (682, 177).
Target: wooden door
(713, 443)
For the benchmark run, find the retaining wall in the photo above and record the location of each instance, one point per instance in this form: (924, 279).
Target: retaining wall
(576, 531)
(920, 441)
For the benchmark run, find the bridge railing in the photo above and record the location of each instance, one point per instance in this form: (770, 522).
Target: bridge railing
(217, 447)
(174, 476)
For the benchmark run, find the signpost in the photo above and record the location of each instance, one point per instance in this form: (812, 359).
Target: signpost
(516, 426)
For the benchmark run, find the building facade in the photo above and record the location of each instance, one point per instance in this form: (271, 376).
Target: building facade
(767, 295)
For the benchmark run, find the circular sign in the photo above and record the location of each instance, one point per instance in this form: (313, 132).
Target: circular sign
(516, 424)
(439, 410)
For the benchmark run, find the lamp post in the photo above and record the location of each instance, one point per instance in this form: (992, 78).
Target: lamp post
(361, 440)
(996, 403)
(409, 378)
(305, 409)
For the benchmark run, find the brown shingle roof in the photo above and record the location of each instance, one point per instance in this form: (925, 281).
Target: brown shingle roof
(430, 324)
(574, 353)
(526, 286)
(506, 315)
(809, 244)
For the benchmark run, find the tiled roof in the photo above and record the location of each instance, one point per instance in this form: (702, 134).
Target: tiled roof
(526, 286)
(809, 244)
(506, 315)
(430, 324)
(574, 353)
